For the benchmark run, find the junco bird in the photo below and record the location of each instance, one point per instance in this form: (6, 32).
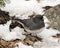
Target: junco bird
(33, 25)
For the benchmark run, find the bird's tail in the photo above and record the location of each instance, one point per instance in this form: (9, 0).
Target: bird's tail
(16, 19)
(19, 21)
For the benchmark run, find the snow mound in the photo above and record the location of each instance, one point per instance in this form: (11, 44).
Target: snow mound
(46, 45)
(47, 34)
(16, 33)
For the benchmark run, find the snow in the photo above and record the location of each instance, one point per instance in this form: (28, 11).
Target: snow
(7, 1)
(47, 34)
(25, 15)
(49, 2)
(46, 21)
(16, 33)
(22, 9)
(46, 45)
(20, 45)
(39, 44)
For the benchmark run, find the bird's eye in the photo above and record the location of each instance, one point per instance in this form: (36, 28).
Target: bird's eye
(41, 17)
